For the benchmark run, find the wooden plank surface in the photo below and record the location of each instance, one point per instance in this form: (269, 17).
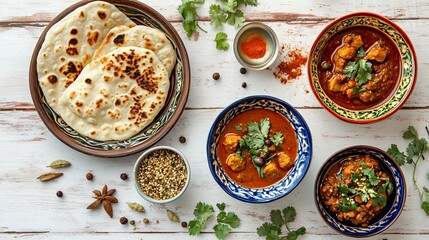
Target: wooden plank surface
(30, 210)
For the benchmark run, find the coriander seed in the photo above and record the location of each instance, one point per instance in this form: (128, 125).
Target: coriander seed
(59, 194)
(216, 76)
(243, 70)
(182, 139)
(145, 220)
(124, 176)
(132, 222)
(123, 220)
(89, 176)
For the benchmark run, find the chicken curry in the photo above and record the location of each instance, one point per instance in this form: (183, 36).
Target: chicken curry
(359, 68)
(356, 190)
(257, 148)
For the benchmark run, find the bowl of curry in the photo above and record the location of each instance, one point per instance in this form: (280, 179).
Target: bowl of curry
(259, 149)
(360, 191)
(362, 67)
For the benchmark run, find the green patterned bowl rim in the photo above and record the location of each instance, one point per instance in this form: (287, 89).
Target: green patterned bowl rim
(166, 119)
(406, 82)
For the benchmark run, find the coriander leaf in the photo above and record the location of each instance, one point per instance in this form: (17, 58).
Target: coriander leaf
(254, 138)
(268, 229)
(189, 14)
(265, 127)
(236, 18)
(289, 214)
(248, 2)
(221, 206)
(238, 128)
(203, 211)
(239, 154)
(221, 230)
(242, 143)
(229, 218)
(411, 133)
(230, 7)
(277, 139)
(293, 235)
(218, 17)
(399, 156)
(355, 177)
(360, 53)
(276, 217)
(195, 227)
(221, 43)
(372, 179)
(425, 207)
(351, 69)
(358, 90)
(417, 147)
(379, 200)
(364, 72)
(343, 189)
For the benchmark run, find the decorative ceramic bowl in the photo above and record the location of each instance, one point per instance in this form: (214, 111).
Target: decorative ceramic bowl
(136, 174)
(293, 177)
(178, 94)
(262, 31)
(407, 70)
(394, 204)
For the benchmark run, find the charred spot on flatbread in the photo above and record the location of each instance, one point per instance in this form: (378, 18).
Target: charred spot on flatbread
(92, 38)
(74, 31)
(71, 51)
(88, 80)
(52, 79)
(71, 70)
(73, 41)
(102, 14)
(119, 40)
(82, 14)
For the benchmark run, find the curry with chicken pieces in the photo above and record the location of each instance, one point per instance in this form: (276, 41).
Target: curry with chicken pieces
(359, 68)
(356, 190)
(257, 148)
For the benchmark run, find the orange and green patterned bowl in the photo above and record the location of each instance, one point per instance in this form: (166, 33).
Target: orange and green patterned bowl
(406, 80)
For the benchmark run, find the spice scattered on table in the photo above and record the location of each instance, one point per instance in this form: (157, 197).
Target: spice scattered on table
(132, 222)
(145, 221)
(291, 67)
(216, 76)
(59, 164)
(136, 206)
(243, 70)
(162, 174)
(244, 85)
(49, 176)
(59, 194)
(123, 220)
(182, 139)
(124, 176)
(89, 176)
(104, 197)
(172, 216)
(184, 224)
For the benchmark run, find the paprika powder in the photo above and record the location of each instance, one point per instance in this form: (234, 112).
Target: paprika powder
(255, 48)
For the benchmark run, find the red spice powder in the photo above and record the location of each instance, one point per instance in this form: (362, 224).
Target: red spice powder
(255, 48)
(291, 67)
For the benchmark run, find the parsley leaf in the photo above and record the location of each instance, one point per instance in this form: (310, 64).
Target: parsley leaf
(351, 69)
(293, 235)
(360, 53)
(276, 217)
(364, 72)
(221, 230)
(399, 156)
(218, 17)
(289, 214)
(188, 10)
(221, 43)
(277, 139)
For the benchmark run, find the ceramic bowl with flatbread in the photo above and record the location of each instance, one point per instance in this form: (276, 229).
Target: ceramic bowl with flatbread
(94, 100)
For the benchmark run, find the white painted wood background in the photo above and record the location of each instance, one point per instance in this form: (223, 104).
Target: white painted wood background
(30, 210)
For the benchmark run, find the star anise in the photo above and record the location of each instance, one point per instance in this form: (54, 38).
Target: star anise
(104, 197)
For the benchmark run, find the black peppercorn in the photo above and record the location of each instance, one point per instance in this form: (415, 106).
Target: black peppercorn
(124, 176)
(123, 220)
(59, 194)
(216, 76)
(182, 139)
(244, 85)
(89, 176)
(184, 224)
(243, 70)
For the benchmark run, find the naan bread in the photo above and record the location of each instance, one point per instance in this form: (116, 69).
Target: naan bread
(140, 36)
(117, 95)
(70, 44)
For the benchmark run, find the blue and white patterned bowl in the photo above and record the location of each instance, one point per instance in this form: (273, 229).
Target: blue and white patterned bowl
(295, 175)
(394, 205)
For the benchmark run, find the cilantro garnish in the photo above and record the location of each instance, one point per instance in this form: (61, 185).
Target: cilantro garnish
(413, 154)
(272, 230)
(221, 43)
(360, 53)
(361, 70)
(277, 139)
(188, 10)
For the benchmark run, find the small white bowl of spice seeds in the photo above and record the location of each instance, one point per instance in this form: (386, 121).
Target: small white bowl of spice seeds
(161, 174)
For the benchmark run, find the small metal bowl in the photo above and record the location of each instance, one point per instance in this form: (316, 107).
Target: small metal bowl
(136, 174)
(263, 31)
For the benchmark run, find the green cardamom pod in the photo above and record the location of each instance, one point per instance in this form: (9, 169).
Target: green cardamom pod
(49, 176)
(59, 164)
(172, 216)
(136, 206)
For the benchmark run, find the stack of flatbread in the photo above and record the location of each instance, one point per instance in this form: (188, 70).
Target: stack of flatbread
(106, 77)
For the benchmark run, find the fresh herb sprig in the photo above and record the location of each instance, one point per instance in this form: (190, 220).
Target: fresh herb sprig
(221, 43)
(225, 220)
(360, 70)
(273, 230)
(188, 10)
(415, 151)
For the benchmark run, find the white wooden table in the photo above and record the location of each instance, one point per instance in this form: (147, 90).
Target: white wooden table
(30, 209)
